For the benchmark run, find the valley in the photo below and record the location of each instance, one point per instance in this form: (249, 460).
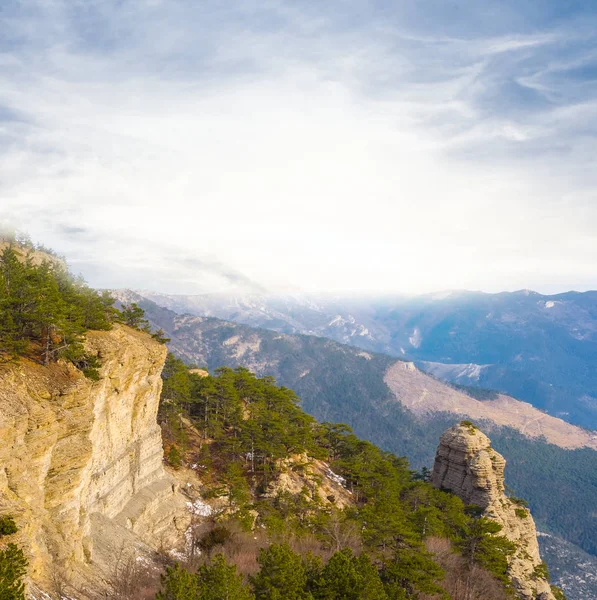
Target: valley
(540, 349)
(380, 398)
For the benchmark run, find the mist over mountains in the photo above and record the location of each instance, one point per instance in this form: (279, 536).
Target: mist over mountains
(394, 404)
(537, 348)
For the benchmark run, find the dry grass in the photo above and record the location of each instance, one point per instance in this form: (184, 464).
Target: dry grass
(425, 395)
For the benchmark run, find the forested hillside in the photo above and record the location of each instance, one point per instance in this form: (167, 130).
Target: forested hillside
(396, 537)
(342, 383)
(44, 310)
(538, 348)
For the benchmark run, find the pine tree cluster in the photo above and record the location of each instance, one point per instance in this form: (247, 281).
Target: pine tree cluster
(44, 310)
(376, 547)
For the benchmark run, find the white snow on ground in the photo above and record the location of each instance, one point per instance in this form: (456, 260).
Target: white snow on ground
(200, 508)
(550, 304)
(416, 338)
(177, 555)
(471, 371)
(338, 320)
(338, 479)
(455, 372)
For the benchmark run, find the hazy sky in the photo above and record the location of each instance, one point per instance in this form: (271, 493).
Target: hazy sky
(404, 146)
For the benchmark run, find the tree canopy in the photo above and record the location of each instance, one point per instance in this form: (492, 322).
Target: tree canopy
(45, 311)
(376, 548)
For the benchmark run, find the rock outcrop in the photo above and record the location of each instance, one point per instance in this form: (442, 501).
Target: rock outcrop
(468, 466)
(81, 462)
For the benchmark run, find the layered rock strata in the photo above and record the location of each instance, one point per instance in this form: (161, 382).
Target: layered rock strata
(468, 466)
(76, 453)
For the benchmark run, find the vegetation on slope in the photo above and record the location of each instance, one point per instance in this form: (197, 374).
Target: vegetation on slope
(45, 310)
(338, 383)
(13, 564)
(398, 537)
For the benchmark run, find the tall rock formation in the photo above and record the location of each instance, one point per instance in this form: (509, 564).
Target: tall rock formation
(81, 461)
(468, 466)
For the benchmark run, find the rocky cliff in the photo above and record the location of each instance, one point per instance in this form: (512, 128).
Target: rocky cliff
(468, 466)
(81, 461)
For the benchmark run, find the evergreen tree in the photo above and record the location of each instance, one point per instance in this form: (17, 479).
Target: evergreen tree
(346, 577)
(13, 566)
(7, 525)
(481, 545)
(134, 316)
(177, 382)
(45, 312)
(254, 426)
(282, 576)
(220, 581)
(178, 584)
(411, 572)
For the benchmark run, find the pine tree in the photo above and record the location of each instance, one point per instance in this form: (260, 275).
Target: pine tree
(346, 577)
(134, 316)
(282, 575)
(220, 581)
(45, 312)
(411, 572)
(13, 566)
(178, 584)
(482, 545)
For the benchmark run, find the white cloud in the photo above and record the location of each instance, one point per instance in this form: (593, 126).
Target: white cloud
(183, 148)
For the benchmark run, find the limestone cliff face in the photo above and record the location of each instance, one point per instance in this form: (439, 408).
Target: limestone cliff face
(468, 466)
(81, 462)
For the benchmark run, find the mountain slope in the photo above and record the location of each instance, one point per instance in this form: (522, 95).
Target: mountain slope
(345, 384)
(537, 348)
(423, 395)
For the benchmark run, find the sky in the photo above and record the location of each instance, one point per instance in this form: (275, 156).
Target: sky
(269, 146)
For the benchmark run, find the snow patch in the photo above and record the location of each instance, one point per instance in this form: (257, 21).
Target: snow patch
(200, 508)
(456, 372)
(416, 338)
(338, 479)
(178, 555)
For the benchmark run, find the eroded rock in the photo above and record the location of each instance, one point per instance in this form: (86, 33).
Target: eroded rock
(76, 453)
(467, 465)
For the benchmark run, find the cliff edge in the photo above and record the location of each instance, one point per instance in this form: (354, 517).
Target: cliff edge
(467, 465)
(81, 462)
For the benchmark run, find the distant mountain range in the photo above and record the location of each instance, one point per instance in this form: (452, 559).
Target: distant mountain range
(542, 349)
(395, 405)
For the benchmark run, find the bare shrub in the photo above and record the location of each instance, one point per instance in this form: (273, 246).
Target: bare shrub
(58, 582)
(342, 533)
(132, 579)
(462, 582)
(309, 544)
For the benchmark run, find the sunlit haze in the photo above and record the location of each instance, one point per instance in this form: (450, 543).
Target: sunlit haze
(278, 146)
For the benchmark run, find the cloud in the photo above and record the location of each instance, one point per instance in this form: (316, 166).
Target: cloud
(188, 146)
